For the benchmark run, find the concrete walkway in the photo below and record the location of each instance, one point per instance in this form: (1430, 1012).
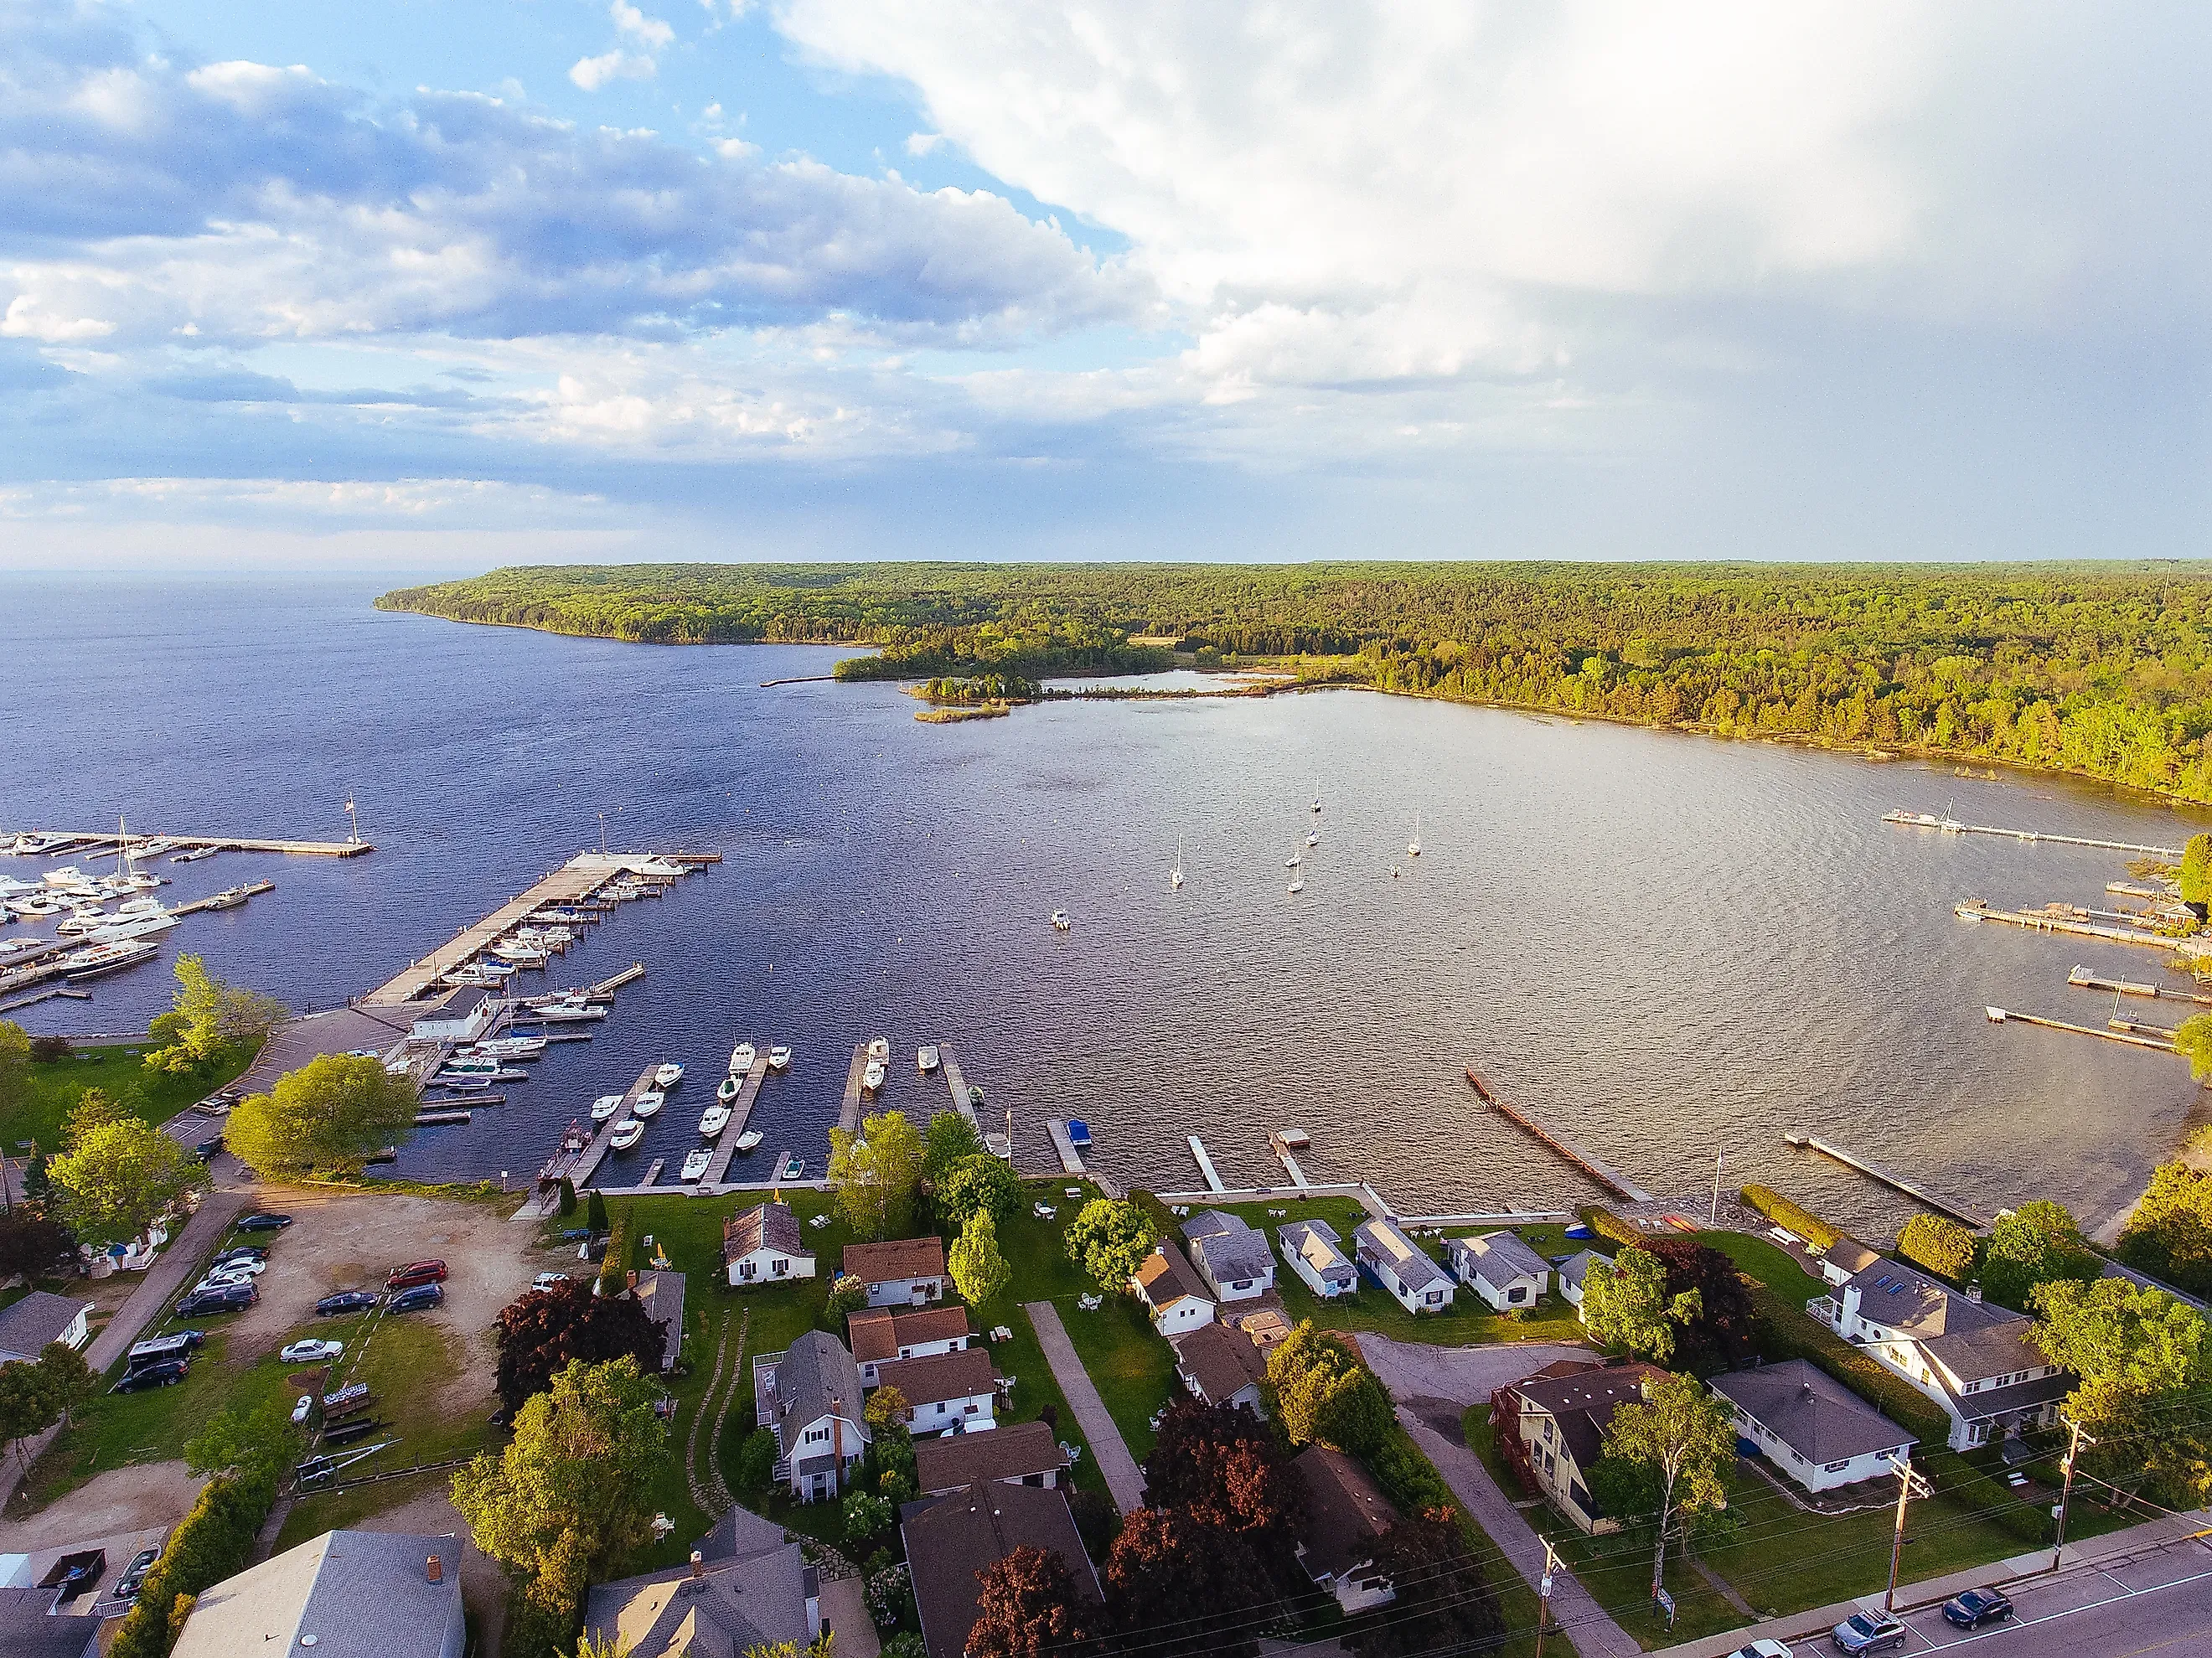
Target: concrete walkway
(1573, 1609)
(1123, 1478)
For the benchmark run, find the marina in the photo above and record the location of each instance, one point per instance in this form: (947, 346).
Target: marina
(1875, 1172)
(72, 841)
(584, 1164)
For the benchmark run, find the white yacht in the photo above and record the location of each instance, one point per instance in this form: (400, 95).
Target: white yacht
(741, 1059)
(880, 1050)
(106, 958)
(873, 1078)
(779, 1059)
(522, 954)
(626, 1135)
(565, 1012)
(714, 1120)
(605, 1106)
(78, 922)
(510, 1047)
(667, 1076)
(132, 926)
(925, 1059)
(194, 855)
(695, 1164)
(67, 878)
(647, 1103)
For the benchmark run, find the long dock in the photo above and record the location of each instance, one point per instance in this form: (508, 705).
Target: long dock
(726, 1143)
(2081, 979)
(226, 899)
(1973, 909)
(958, 1084)
(1070, 1160)
(81, 843)
(1953, 826)
(1874, 1171)
(848, 1114)
(2003, 1016)
(1620, 1185)
(588, 1160)
(1205, 1163)
(1282, 1151)
(578, 879)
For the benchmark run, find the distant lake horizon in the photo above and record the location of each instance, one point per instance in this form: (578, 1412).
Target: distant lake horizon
(1661, 944)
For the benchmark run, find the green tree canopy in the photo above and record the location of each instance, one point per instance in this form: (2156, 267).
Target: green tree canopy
(1687, 1437)
(15, 1067)
(1628, 1310)
(877, 1173)
(2143, 1360)
(980, 1182)
(94, 1109)
(979, 1272)
(2169, 1235)
(2193, 1042)
(119, 1178)
(2196, 869)
(1940, 1244)
(1109, 1240)
(952, 1139)
(331, 1113)
(2035, 1244)
(27, 1406)
(209, 1017)
(1324, 1395)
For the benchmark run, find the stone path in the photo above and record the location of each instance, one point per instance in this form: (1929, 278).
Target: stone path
(1123, 1480)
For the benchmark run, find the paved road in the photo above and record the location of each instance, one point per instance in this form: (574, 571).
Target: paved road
(1593, 1631)
(1123, 1480)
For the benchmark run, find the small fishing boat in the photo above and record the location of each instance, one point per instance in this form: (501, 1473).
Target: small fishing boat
(1413, 846)
(716, 1119)
(1079, 1133)
(484, 1064)
(1060, 921)
(746, 1141)
(626, 1135)
(1175, 875)
(605, 1106)
(194, 855)
(728, 1090)
(794, 1167)
(1313, 840)
(925, 1059)
(667, 1076)
(695, 1165)
(648, 1102)
(1294, 860)
(1298, 882)
(567, 1013)
(880, 1050)
(741, 1059)
(779, 1059)
(873, 1078)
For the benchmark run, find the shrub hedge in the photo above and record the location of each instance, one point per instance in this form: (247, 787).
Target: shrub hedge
(1789, 1218)
(214, 1541)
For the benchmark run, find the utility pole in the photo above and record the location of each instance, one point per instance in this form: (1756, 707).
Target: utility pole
(1909, 1485)
(1714, 1219)
(2066, 1490)
(1544, 1593)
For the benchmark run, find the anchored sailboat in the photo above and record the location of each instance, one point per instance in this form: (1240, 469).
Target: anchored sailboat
(1175, 875)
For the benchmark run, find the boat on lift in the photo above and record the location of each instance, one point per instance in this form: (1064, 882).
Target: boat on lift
(926, 1061)
(880, 1050)
(1079, 1133)
(695, 1164)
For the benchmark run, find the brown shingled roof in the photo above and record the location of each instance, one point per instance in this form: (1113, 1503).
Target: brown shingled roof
(1221, 1361)
(879, 1263)
(772, 1224)
(879, 1333)
(1166, 1277)
(961, 1373)
(1010, 1451)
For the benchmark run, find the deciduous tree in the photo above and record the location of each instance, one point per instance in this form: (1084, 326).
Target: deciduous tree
(15, 1067)
(1443, 1602)
(2143, 1359)
(1027, 1605)
(71, 1383)
(1721, 1332)
(877, 1173)
(979, 1272)
(31, 1242)
(1940, 1245)
(1220, 1465)
(2037, 1244)
(2196, 881)
(330, 1114)
(1629, 1310)
(1109, 1240)
(1687, 1438)
(209, 1017)
(980, 1182)
(2169, 1235)
(2193, 1042)
(541, 1333)
(118, 1178)
(950, 1141)
(1325, 1395)
(27, 1407)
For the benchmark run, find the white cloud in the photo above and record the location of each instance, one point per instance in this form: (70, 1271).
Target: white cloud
(593, 73)
(921, 143)
(655, 34)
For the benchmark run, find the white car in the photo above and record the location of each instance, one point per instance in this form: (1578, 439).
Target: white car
(548, 1281)
(1762, 1649)
(301, 1410)
(225, 1280)
(312, 1351)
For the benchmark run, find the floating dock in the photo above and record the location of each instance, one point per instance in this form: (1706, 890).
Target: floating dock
(589, 1159)
(1280, 1144)
(741, 1109)
(1070, 1160)
(227, 900)
(2119, 1031)
(848, 1113)
(653, 1171)
(2065, 920)
(1617, 1184)
(958, 1084)
(2081, 979)
(85, 843)
(1874, 1171)
(1205, 1163)
(433, 1119)
(604, 990)
(1953, 826)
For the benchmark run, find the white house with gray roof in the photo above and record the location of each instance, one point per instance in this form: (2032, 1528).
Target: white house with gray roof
(1402, 1266)
(1499, 1267)
(1229, 1255)
(1574, 1273)
(1310, 1248)
(1810, 1426)
(29, 1324)
(745, 1587)
(345, 1594)
(810, 1396)
(1973, 1359)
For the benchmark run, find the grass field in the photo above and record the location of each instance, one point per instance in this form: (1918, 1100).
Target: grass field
(55, 1086)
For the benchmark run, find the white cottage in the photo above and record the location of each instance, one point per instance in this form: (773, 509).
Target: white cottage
(944, 1390)
(809, 1395)
(1171, 1292)
(901, 1273)
(1229, 1255)
(1403, 1267)
(1810, 1426)
(1499, 1267)
(763, 1245)
(1574, 1274)
(1309, 1247)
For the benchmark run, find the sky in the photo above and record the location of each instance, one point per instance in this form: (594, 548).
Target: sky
(443, 284)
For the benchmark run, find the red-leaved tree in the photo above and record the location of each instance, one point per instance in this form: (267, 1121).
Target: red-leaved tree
(1028, 1605)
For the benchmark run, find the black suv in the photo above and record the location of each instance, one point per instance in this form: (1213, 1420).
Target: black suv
(230, 1298)
(167, 1374)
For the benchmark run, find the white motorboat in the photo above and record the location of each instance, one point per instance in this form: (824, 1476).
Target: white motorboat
(562, 1013)
(729, 1088)
(605, 1106)
(1294, 860)
(1314, 839)
(695, 1164)
(746, 1141)
(667, 1076)
(194, 855)
(1298, 882)
(873, 1078)
(626, 1135)
(78, 922)
(717, 1118)
(925, 1059)
(647, 1103)
(141, 907)
(510, 1047)
(133, 927)
(1413, 846)
(32, 846)
(106, 958)
(741, 1059)
(880, 1050)
(1175, 875)
(33, 908)
(779, 1059)
(482, 1066)
(522, 954)
(1060, 921)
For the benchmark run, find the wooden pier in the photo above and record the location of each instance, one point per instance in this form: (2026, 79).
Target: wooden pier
(604, 990)
(230, 899)
(587, 1161)
(741, 1109)
(1281, 1148)
(1953, 826)
(1619, 1185)
(1070, 1160)
(1874, 1171)
(2081, 979)
(958, 1084)
(1205, 1163)
(848, 1114)
(435, 1119)
(2063, 920)
(653, 1170)
(2002, 1016)
(80, 845)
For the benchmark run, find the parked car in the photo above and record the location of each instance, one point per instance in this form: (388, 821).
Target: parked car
(303, 1409)
(1868, 1631)
(415, 1272)
(263, 1221)
(225, 1298)
(134, 1574)
(243, 1252)
(167, 1374)
(311, 1350)
(205, 1150)
(414, 1300)
(347, 1301)
(239, 1266)
(1977, 1607)
(549, 1280)
(1762, 1649)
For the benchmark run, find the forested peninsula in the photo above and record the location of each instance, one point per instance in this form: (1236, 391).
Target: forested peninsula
(2100, 669)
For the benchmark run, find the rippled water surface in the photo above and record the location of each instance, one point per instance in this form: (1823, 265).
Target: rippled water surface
(1665, 947)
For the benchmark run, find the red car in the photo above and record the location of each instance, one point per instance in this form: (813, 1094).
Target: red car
(415, 1272)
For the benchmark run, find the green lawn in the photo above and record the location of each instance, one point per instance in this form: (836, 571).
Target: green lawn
(1769, 1263)
(117, 1070)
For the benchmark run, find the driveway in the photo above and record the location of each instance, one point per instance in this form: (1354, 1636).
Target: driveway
(1123, 1479)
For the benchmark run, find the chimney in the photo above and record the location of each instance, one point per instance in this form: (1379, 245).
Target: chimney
(698, 1565)
(434, 1570)
(1973, 1292)
(632, 1280)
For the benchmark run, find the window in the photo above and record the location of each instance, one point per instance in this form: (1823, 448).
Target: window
(940, 1407)
(816, 1435)
(969, 1408)
(1436, 1297)
(777, 1266)
(1834, 1468)
(1520, 1292)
